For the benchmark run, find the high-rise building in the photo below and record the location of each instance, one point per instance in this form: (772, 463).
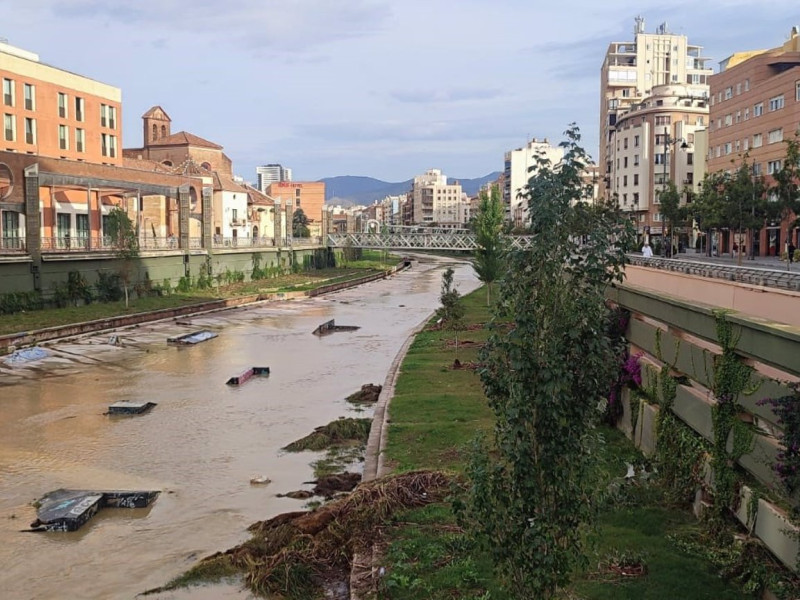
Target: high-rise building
(269, 174)
(517, 172)
(630, 72)
(434, 201)
(55, 113)
(755, 107)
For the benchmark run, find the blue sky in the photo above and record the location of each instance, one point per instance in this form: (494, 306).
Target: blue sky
(383, 88)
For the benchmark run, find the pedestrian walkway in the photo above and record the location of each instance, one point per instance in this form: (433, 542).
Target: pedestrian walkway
(765, 262)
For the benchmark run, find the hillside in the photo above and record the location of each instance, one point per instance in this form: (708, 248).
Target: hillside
(350, 189)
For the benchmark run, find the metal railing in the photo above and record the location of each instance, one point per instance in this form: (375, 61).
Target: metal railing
(105, 244)
(264, 242)
(12, 245)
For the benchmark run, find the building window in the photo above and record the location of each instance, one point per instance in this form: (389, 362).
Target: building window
(690, 158)
(738, 88)
(62, 105)
(80, 140)
(758, 109)
(109, 145)
(758, 140)
(10, 128)
(625, 162)
(104, 115)
(728, 148)
(155, 132)
(11, 229)
(8, 92)
(625, 143)
(636, 141)
(63, 227)
(728, 93)
(773, 166)
(635, 160)
(624, 181)
(30, 130)
(63, 137)
(79, 107)
(660, 159)
(775, 136)
(663, 120)
(746, 114)
(746, 85)
(776, 103)
(738, 116)
(82, 228)
(625, 199)
(700, 120)
(797, 90)
(728, 120)
(756, 169)
(30, 96)
(746, 144)
(636, 180)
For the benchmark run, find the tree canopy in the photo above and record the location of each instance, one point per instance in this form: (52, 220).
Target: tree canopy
(300, 224)
(488, 226)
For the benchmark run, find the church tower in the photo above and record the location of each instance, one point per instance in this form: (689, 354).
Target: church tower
(156, 123)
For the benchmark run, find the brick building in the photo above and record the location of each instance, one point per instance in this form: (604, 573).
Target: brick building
(308, 195)
(755, 107)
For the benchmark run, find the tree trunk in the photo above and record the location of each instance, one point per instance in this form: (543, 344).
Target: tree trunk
(126, 294)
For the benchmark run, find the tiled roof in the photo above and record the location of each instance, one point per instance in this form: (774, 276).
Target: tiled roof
(152, 112)
(183, 138)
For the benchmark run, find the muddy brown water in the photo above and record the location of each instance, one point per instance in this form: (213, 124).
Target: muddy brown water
(200, 445)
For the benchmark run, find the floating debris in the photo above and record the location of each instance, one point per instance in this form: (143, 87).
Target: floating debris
(252, 371)
(130, 408)
(331, 327)
(69, 510)
(260, 480)
(26, 355)
(192, 338)
(115, 341)
(368, 394)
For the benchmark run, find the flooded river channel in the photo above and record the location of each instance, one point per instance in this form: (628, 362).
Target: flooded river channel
(200, 445)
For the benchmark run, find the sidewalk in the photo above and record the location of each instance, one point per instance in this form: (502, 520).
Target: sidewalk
(759, 262)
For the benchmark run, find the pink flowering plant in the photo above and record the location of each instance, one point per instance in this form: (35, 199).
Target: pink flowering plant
(787, 464)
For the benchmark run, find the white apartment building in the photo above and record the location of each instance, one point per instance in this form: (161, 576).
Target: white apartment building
(273, 173)
(630, 72)
(436, 201)
(517, 165)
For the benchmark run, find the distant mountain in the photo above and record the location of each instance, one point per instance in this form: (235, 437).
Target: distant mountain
(349, 189)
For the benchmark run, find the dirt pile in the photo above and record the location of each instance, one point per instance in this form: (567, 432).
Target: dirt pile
(368, 394)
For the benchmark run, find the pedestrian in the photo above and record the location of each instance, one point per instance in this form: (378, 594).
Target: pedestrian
(647, 251)
(790, 252)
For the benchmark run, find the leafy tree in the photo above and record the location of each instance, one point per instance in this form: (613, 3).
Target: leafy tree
(488, 227)
(670, 199)
(300, 224)
(125, 244)
(786, 187)
(547, 367)
(451, 312)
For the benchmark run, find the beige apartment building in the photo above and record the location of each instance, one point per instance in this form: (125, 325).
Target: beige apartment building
(755, 107)
(54, 113)
(434, 201)
(655, 142)
(630, 72)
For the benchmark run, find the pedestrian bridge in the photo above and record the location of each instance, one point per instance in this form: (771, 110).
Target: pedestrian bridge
(420, 239)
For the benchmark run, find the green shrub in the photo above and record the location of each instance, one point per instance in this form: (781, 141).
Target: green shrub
(109, 287)
(15, 302)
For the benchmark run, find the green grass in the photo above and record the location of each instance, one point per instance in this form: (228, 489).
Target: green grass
(434, 415)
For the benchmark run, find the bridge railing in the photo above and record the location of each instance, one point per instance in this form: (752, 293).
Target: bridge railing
(416, 240)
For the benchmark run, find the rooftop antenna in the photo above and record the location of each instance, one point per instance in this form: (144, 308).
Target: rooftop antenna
(639, 28)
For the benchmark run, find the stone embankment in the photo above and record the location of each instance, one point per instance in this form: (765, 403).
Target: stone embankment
(10, 342)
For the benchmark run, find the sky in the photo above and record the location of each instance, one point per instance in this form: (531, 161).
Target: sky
(379, 88)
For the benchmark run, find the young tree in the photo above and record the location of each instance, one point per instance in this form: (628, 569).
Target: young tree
(671, 209)
(546, 379)
(488, 227)
(451, 312)
(300, 224)
(125, 243)
(787, 182)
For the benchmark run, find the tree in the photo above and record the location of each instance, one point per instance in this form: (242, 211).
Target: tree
(124, 242)
(547, 367)
(488, 227)
(451, 312)
(671, 209)
(787, 181)
(300, 224)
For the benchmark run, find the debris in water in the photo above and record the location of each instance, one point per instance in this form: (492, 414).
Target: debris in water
(331, 326)
(192, 338)
(368, 394)
(69, 510)
(246, 375)
(26, 355)
(260, 480)
(115, 341)
(130, 408)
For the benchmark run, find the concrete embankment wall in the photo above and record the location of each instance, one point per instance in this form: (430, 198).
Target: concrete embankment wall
(16, 273)
(681, 335)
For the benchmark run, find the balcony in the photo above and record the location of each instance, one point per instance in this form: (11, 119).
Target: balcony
(238, 222)
(12, 244)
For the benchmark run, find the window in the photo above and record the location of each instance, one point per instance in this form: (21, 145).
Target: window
(746, 85)
(635, 160)
(746, 114)
(63, 137)
(8, 92)
(737, 146)
(109, 145)
(728, 93)
(660, 159)
(756, 169)
(663, 120)
(79, 106)
(776, 103)
(728, 148)
(636, 199)
(797, 90)
(155, 132)
(10, 229)
(746, 144)
(636, 141)
(738, 116)
(104, 115)
(773, 166)
(30, 130)
(625, 199)
(738, 88)
(690, 158)
(297, 202)
(62, 105)
(774, 136)
(624, 181)
(63, 227)
(625, 162)
(10, 128)
(689, 178)
(700, 120)
(80, 140)
(82, 228)
(758, 109)
(728, 120)
(625, 143)
(112, 117)
(757, 140)
(635, 180)
(30, 96)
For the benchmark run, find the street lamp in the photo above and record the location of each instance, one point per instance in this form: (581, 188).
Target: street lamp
(669, 141)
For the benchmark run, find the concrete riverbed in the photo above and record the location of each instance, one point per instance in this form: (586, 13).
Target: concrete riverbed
(200, 445)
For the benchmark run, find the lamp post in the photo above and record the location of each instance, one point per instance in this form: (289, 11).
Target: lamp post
(669, 141)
